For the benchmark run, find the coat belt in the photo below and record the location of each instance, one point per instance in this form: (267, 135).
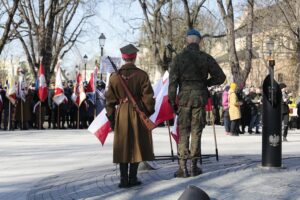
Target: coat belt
(125, 100)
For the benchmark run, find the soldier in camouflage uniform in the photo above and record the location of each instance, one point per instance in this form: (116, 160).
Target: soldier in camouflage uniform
(189, 71)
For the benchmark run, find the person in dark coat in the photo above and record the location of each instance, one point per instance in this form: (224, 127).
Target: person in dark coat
(132, 140)
(100, 96)
(284, 112)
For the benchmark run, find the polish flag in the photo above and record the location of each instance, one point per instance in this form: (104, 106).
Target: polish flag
(175, 130)
(90, 89)
(163, 109)
(11, 93)
(157, 87)
(79, 95)
(43, 90)
(59, 95)
(100, 126)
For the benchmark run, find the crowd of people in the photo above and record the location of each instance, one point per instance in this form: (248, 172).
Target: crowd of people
(239, 109)
(25, 113)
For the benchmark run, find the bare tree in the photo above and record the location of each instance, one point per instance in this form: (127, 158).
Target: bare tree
(291, 12)
(192, 12)
(50, 31)
(154, 27)
(9, 13)
(227, 13)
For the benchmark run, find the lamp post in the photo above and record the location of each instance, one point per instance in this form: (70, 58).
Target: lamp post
(85, 58)
(270, 48)
(102, 39)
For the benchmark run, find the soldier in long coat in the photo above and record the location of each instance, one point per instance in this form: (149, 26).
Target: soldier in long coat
(132, 140)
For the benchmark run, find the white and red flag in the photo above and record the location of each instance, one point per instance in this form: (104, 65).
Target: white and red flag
(21, 87)
(11, 93)
(175, 130)
(79, 95)
(163, 109)
(90, 89)
(59, 95)
(43, 89)
(100, 126)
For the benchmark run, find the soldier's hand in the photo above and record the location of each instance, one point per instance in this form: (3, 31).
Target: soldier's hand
(112, 125)
(175, 109)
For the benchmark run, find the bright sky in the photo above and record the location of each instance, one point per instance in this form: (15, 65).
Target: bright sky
(110, 20)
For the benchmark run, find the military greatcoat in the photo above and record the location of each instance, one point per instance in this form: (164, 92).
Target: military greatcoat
(132, 140)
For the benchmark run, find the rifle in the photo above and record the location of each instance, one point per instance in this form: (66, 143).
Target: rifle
(145, 120)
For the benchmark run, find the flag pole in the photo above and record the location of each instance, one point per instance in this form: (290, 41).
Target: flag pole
(21, 114)
(58, 117)
(215, 137)
(77, 117)
(9, 116)
(40, 116)
(172, 153)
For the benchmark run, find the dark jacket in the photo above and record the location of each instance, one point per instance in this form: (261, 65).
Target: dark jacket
(190, 71)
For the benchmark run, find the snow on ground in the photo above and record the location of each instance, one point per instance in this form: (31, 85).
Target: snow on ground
(72, 164)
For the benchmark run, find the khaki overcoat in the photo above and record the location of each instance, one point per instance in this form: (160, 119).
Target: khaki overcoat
(132, 141)
(234, 106)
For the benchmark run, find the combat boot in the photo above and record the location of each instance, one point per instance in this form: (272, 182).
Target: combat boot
(133, 180)
(195, 170)
(182, 172)
(124, 175)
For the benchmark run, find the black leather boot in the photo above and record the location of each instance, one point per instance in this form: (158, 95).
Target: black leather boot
(124, 175)
(195, 170)
(133, 180)
(182, 172)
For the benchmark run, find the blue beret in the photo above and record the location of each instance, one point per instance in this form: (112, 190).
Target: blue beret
(193, 32)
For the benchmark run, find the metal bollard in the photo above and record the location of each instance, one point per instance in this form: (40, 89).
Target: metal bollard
(271, 119)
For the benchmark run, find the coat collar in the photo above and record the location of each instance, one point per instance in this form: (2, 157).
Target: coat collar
(128, 66)
(193, 46)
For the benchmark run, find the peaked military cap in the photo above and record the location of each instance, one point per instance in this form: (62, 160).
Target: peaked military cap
(129, 51)
(193, 32)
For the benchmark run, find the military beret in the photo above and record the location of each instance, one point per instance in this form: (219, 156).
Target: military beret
(193, 32)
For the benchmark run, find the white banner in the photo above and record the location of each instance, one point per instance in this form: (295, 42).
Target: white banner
(106, 67)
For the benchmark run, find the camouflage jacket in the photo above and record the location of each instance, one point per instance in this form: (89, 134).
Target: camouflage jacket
(193, 71)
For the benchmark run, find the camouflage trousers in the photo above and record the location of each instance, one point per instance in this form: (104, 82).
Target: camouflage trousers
(191, 122)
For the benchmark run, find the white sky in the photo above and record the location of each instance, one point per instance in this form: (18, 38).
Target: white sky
(109, 20)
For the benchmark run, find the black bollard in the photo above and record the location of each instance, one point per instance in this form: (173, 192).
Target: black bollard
(271, 119)
(193, 193)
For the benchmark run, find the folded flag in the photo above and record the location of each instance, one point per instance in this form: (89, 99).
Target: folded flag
(79, 95)
(59, 95)
(43, 89)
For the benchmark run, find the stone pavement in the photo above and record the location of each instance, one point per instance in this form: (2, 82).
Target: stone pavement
(83, 171)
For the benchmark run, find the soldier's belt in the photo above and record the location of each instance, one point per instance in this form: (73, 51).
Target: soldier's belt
(125, 100)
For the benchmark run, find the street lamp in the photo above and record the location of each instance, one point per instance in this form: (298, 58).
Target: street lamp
(85, 59)
(270, 45)
(270, 48)
(102, 39)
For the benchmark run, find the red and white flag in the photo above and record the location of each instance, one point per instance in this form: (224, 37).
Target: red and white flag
(90, 88)
(11, 92)
(175, 130)
(59, 95)
(163, 109)
(100, 126)
(43, 89)
(21, 87)
(79, 95)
